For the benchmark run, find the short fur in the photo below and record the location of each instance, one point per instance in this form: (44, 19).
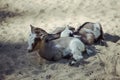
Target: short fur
(90, 32)
(58, 48)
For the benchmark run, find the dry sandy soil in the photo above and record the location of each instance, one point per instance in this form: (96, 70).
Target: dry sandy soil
(16, 16)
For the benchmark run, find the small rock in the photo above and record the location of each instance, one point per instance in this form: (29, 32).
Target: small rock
(118, 53)
(48, 76)
(42, 77)
(102, 64)
(20, 73)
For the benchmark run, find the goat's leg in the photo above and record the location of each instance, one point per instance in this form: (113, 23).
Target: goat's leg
(75, 59)
(67, 54)
(104, 43)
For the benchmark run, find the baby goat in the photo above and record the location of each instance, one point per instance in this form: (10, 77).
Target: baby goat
(55, 49)
(90, 33)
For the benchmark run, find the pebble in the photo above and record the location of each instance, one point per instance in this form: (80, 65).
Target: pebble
(48, 76)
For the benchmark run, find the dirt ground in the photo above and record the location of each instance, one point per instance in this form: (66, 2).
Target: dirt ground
(16, 16)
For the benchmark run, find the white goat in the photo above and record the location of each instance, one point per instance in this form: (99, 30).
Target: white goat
(66, 32)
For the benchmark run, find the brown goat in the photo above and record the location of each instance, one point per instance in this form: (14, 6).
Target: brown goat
(55, 49)
(90, 33)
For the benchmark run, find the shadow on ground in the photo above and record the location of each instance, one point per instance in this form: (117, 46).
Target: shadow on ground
(8, 14)
(12, 56)
(112, 38)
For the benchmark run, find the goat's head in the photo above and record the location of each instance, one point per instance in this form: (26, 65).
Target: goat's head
(67, 32)
(36, 36)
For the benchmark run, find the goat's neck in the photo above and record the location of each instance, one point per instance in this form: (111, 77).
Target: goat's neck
(40, 45)
(44, 46)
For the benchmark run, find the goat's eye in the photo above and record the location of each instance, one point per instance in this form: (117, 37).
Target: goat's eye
(29, 34)
(70, 34)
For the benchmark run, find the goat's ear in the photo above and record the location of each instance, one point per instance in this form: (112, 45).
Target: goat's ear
(32, 27)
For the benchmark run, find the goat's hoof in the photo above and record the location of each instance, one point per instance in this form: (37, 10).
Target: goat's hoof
(72, 63)
(103, 43)
(69, 56)
(29, 51)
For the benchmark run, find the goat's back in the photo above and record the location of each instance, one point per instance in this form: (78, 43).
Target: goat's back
(63, 41)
